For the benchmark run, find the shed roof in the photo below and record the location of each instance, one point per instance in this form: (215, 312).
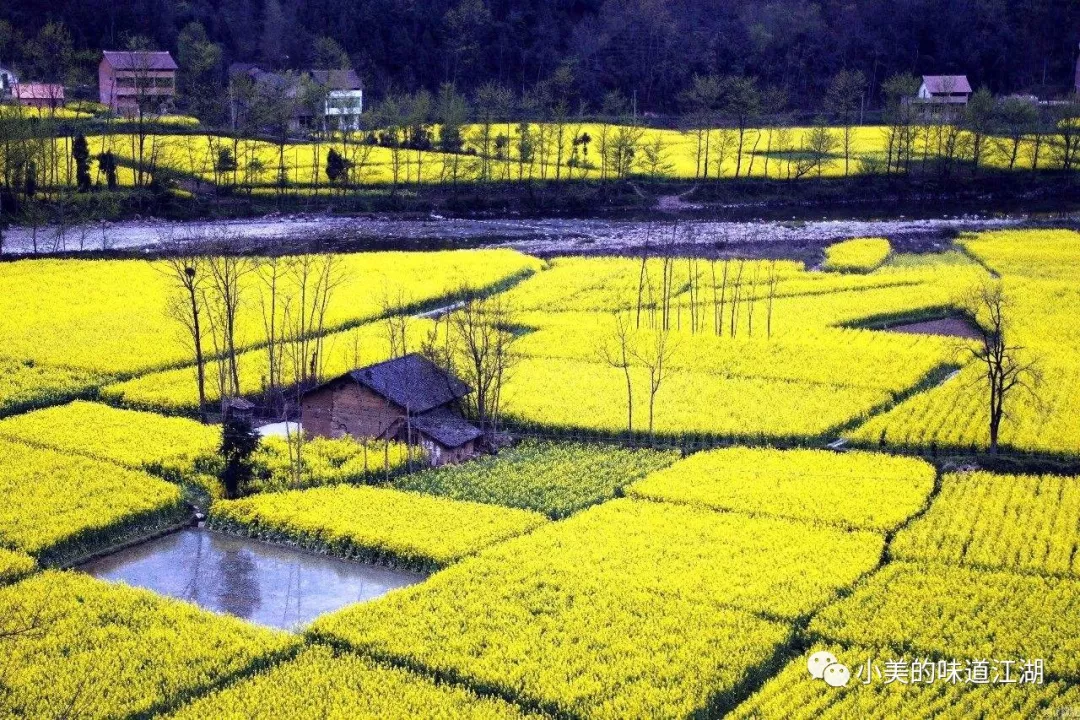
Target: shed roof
(140, 59)
(412, 382)
(446, 427)
(946, 83)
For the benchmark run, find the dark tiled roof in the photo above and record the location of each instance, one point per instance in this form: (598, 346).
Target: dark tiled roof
(446, 427)
(412, 382)
(337, 79)
(242, 68)
(140, 60)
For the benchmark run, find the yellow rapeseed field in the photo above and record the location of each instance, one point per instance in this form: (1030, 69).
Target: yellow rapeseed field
(628, 609)
(163, 445)
(1040, 275)
(953, 612)
(99, 650)
(1028, 523)
(320, 684)
(375, 524)
(110, 316)
(860, 255)
(59, 504)
(854, 489)
(14, 564)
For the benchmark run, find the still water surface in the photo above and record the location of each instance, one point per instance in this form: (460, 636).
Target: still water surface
(267, 584)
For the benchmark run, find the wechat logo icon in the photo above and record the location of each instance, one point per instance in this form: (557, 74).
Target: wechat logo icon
(823, 665)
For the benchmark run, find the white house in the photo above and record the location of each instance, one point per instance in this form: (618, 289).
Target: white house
(944, 89)
(8, 81)
(344, 98)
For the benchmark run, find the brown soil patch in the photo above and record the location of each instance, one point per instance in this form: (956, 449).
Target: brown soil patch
(948, 327)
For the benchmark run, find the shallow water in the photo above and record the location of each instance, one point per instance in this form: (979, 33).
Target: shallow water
(266, 584)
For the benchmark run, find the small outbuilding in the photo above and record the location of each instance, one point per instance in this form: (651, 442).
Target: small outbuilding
(944, 89)
(408, 399)
(39, 95)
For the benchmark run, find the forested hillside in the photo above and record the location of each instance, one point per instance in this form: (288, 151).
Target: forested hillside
(647, 49)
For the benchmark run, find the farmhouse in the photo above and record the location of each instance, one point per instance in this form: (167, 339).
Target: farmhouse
(130, 78)
(409, 399)
(38, 95)
(342, 93)
(944, 89)
(344, 98)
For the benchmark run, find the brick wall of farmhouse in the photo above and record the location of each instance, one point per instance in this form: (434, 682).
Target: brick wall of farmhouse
(348, 409)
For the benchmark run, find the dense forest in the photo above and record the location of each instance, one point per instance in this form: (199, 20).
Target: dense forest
(649, 50)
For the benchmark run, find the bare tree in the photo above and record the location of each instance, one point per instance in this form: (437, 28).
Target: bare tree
(271, 272)
(736, 296)
(656, 355)
(189, 274)
(396, 321)
(225, 292)
(1006, 366)
(845, 100)
(616, 350)
(773, 281)
(314, 278)
(483, 337)
(1016, 118)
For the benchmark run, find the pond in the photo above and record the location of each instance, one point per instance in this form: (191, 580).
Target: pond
(267, 584)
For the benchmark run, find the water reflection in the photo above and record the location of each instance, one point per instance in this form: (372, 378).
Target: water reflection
(270, 585)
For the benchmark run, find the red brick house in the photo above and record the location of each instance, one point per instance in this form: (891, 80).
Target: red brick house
(38, 95)
(128, 77)
(408, 399)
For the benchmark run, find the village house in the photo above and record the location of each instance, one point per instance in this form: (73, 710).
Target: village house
(343, 102)
(38, 95)
(944, 89)
(408, 399)
(127, 78)
(344, 98)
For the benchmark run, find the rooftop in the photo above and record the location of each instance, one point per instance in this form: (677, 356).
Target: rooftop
(946, 83)
(412, 382)
(446, 427)
(140, 59)
(38, 91)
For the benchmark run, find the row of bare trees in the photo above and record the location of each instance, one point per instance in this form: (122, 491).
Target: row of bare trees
(213, 286)
(714, 294)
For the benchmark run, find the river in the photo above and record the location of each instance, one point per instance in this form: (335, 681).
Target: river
(544, 237)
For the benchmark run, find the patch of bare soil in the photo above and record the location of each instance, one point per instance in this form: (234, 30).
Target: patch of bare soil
(957, 327)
